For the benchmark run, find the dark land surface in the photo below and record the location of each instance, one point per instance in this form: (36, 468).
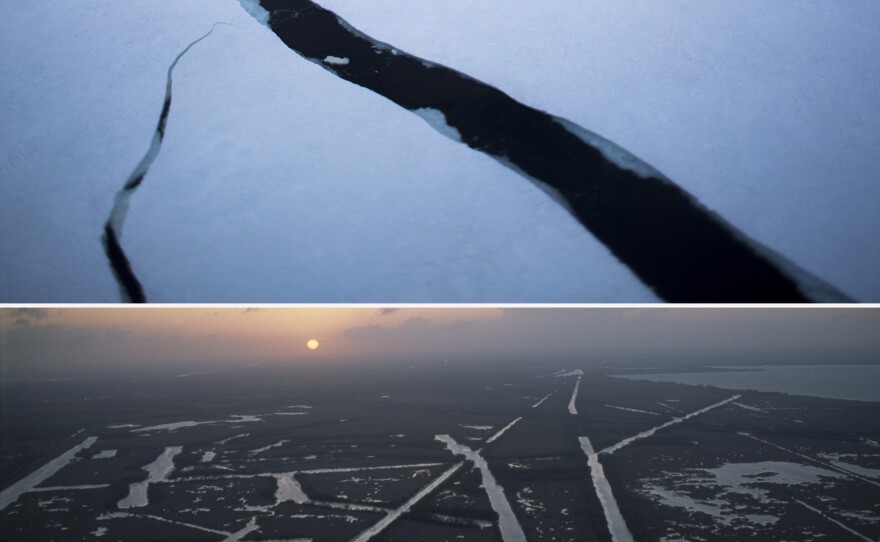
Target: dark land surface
(325, 453)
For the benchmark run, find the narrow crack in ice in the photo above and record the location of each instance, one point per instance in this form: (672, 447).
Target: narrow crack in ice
(511, 531)
(647, 433)
(656, 228)
(37, 477)
(129, 285)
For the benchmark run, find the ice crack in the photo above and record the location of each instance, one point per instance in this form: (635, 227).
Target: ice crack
(673, 243)
(130, 286)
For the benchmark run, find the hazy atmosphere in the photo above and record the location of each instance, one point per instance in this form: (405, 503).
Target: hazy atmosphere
(53, 338)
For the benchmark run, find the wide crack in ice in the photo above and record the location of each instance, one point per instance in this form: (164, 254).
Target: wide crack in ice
(675, 245)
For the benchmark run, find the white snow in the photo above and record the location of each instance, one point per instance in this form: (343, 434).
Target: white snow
(257, 11)
(748, 407)
(270, 446)
(501, 431)
(336, 60)
(104, 454)
(233, 437)
(247, 529)
(289, 489)
(174, 426)
(647, 433)
(507, 522)
(539, 403)
(157, 471)
(207, 457)
(37, 477)
(627, 409)
(437, 120)
(477, 427)
(616, 524)
(572, 409)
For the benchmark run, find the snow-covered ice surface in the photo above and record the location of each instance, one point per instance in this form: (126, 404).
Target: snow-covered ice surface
(276, 182)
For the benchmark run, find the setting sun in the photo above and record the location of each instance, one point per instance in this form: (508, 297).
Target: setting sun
(313, 344)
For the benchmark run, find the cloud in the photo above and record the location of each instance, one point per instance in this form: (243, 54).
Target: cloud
(414, 325)
(460, 324)
(29, 313)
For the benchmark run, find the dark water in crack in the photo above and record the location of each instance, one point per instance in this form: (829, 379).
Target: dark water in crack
(676, 246)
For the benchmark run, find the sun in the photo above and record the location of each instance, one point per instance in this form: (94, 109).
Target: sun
(313, 344)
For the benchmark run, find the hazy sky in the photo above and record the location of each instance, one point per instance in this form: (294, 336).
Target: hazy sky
(52, 336)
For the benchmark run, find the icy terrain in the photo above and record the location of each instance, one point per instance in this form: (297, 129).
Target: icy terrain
(280, 182)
